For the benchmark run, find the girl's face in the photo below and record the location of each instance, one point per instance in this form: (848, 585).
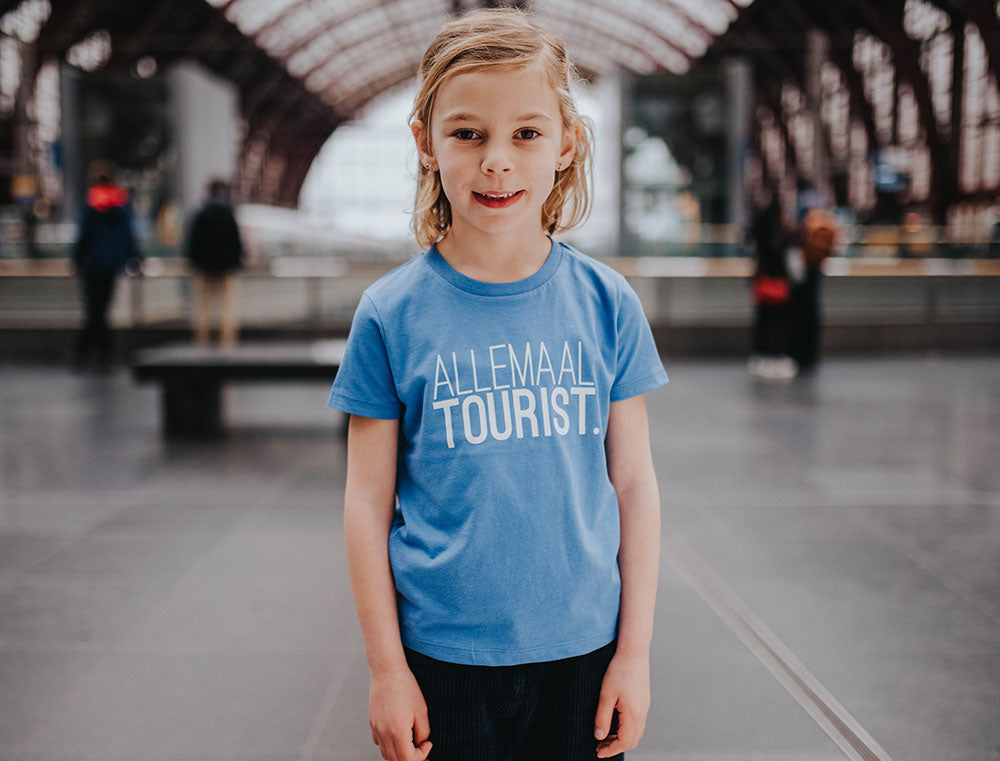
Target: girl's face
(496, 137)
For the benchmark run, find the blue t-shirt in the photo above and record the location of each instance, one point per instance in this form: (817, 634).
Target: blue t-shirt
(505, 540)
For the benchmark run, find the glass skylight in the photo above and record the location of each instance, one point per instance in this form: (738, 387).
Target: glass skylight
(348, 51)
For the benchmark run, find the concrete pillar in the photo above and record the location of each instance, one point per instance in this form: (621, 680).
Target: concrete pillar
(23, 163)
(204, 122)
(739, 111)
(73, 170)
(626, 100)
(817, 49)
(608, 159)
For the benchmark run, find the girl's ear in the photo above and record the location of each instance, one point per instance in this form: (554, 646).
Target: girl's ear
(570, 138)
(423, 139)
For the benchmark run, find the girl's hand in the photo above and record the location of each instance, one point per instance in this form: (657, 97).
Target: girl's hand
(397, 714)
(625, 688)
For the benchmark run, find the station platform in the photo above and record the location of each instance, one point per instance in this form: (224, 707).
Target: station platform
(830, 575)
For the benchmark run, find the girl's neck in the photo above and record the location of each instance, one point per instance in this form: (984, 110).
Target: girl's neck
(495, 258)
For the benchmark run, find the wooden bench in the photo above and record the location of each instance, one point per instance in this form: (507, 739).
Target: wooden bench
(191, 377)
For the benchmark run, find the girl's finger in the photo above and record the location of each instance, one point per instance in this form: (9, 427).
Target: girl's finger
(421, 727)
(611, 748)
(605, 710)
(402, 748)
(627, 734)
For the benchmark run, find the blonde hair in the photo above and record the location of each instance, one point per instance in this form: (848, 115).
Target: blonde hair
(501, 37)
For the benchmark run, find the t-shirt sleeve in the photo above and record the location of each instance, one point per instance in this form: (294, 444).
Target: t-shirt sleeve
(639, 368)
(364, 384)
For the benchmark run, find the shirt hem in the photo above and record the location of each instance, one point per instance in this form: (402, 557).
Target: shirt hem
(354, 407)
(484, 656)
(639, 387)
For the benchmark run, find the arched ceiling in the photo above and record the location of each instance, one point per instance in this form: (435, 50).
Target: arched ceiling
(347, 52)
(302, 67)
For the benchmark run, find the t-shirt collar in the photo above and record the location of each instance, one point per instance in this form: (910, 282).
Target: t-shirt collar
(483, 288)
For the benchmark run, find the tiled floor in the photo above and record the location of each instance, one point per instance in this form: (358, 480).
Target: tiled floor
(182, 601)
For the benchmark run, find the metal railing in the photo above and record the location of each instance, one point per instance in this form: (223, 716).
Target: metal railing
(53, 240)
(318, 293)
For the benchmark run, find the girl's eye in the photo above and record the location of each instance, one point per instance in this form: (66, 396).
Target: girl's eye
(465, 134)
(528, 133)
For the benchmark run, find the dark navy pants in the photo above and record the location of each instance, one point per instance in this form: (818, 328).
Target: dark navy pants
(529, 712)
(95, 335)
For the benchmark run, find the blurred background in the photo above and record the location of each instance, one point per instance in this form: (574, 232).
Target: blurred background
(888, 112)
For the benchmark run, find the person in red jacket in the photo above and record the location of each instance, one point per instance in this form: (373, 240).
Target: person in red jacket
(770, 237)
(105, 244)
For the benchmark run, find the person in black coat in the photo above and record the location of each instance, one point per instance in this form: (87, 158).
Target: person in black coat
(104, 245)
(770, 237)
(818, 234)
(215, 250)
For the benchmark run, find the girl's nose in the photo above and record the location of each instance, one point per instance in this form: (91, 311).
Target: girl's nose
(497, 161)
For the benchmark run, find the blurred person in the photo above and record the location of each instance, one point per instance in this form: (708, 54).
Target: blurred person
(771, 237)
(105, 245)
(916, 236)
(817, 236)
(993, 223)
(215, 249)
(30, 219)
(502, 537)
(690, 212)
(24, 192)
(169, 230)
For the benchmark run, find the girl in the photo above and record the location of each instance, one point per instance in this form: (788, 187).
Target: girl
(501, 511)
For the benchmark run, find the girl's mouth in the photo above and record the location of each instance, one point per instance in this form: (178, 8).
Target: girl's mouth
(498, 200)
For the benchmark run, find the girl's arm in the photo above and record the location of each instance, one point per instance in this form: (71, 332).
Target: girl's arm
(397, 712)
(626, 682)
